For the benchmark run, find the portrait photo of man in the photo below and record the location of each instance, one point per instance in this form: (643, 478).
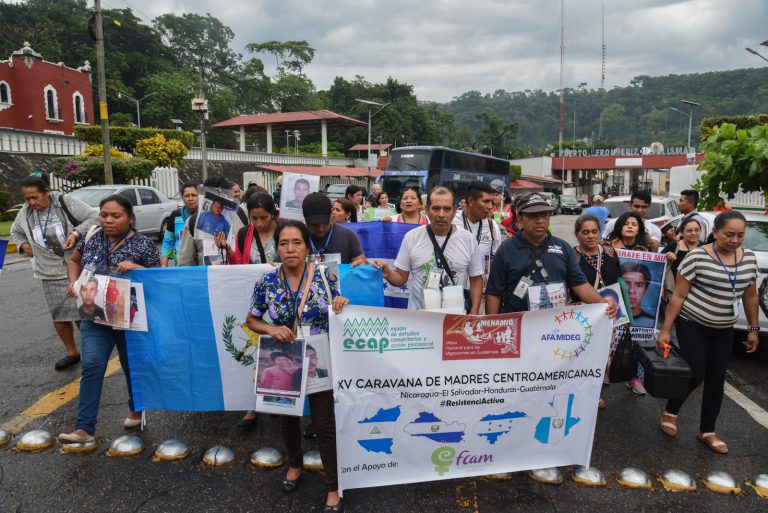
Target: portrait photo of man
(89, 310)
(213, 221)
(637, 277)
(300, 191)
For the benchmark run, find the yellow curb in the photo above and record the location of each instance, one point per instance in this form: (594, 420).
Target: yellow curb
(52, 401)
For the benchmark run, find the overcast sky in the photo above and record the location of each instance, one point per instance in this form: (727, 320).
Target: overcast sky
(447, 47)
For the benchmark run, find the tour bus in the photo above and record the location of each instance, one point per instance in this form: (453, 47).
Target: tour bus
(427, 166)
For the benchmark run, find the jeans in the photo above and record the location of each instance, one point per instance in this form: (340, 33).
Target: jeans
(707, 351)
(97, 342)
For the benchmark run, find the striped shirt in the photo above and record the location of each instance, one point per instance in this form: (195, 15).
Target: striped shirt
(711, 297)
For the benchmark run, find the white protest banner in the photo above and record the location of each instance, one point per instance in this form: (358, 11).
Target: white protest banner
(643, 272)
(295, 187)
(422, 396)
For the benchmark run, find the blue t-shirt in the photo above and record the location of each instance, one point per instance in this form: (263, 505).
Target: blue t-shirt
(516, 258)
(209, 224)
(600, 212)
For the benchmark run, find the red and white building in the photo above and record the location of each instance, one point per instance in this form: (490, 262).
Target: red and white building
(41, 96)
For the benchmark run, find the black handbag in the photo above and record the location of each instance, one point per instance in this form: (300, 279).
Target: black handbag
(623, 365)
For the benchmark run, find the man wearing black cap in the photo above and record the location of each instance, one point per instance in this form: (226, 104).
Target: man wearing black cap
(332, 241)
(534, 258)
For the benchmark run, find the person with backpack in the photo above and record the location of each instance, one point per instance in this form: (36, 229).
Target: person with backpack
(47, 228)
(191, 248)
(175, 225)
(254, 243)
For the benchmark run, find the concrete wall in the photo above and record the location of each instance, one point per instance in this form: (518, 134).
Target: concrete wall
(14, 167)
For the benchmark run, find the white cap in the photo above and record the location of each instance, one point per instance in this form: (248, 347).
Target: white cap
(597, 197)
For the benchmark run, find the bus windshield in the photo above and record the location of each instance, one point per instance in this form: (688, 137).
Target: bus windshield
(416, 160)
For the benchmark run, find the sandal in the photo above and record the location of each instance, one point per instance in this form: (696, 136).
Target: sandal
(668, 424)
(713, 441)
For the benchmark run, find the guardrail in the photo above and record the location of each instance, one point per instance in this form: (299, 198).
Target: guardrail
(268, 158)
(24, 141)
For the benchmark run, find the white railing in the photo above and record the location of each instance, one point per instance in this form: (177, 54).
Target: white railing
(164, 179)
(24, 141)
(268, 158)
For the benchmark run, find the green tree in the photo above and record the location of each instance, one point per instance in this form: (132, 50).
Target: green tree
(734, 159)
(290, 56)
(495, 133)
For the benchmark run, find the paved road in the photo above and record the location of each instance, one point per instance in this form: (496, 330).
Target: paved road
(627, 434)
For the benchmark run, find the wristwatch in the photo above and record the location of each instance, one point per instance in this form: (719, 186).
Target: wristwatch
(753, 328)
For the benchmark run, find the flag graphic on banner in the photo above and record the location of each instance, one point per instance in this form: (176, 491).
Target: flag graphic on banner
(552, 429)
(435, 429)
(376, 433)
(493, 426)
(381, 241)
(198, 353)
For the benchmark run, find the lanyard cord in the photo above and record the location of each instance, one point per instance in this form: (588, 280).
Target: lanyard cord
(735, 277)
(112, 247)
(295, 295)
(43, 230)
(599, 274)
(325, 244)
(468, 226)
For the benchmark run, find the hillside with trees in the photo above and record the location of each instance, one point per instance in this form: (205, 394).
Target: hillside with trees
(166, 61)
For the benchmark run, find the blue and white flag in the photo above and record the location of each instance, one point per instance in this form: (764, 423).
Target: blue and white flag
(381, 241)
(198, 353)
(3, 249)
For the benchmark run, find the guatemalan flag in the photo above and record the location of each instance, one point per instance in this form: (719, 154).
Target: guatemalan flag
(3, 249)
(381, 241)
(198, 354)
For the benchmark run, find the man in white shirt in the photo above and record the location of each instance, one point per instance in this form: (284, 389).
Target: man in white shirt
(639, 202)
(419, 264)
(474, 218)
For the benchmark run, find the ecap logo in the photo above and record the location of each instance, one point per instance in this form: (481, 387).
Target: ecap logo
(366, 335)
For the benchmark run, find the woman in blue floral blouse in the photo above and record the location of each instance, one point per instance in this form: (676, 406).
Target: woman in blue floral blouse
(280, 298)
(113, 249)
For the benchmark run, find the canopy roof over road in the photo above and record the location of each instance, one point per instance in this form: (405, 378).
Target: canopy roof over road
(309, 119)
(356, 172)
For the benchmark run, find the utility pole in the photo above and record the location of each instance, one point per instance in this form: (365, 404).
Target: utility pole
(562, 97)
(101, 78)
(200, 104)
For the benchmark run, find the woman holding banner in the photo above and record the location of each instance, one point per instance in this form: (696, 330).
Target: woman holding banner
(597, 261)
(711, 282)
(296, 295)
(116, 247)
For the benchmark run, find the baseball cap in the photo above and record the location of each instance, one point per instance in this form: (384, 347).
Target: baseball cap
(317, 208)
(533, 202)
(597, 197)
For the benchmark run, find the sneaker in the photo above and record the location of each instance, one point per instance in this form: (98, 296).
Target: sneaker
(66, 362)
(636, 386)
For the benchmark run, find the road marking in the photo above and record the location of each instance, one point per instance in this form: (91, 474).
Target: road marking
(754, 411)
(52, 401)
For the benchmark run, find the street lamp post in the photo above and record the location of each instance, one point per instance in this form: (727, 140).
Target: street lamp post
(381, 107)
(754, 52)
(288, 141)
(138, 110)
(691, 105)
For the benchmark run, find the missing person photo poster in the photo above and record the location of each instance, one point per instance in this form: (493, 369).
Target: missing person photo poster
(643, 272)
(113, 295)
(138, 308)
(318, 357)
(90, 297)
(295, 187)
(277, 363)
(612, 294)
(216, 214)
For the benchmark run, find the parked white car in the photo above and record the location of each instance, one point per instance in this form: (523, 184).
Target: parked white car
(150, 206)
(662, 208)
